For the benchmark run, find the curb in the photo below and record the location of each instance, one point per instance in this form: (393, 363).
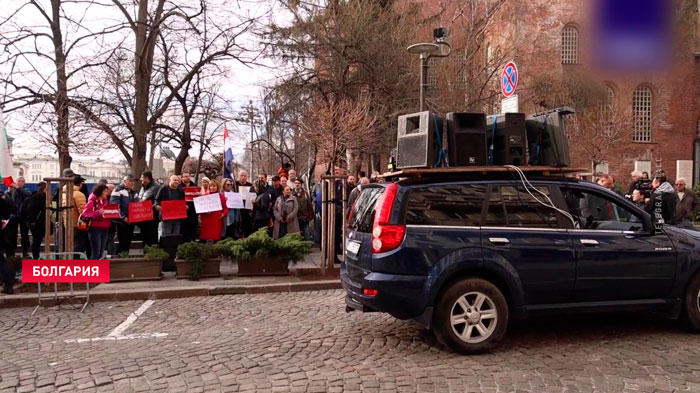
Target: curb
(30, 299)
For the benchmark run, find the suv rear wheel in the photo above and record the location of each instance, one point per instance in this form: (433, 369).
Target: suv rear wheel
(472, 316)
(692, 304)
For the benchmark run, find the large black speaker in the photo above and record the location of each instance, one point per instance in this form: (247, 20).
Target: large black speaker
(416, 144)
(547, 142)
(466, 135)
(509, 138)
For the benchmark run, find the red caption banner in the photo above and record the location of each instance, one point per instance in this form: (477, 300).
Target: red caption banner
(173, 210)
(76, 270)
(191, 193)
(140, 211)
(111, 211)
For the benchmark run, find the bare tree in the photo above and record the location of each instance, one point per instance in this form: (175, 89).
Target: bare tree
(338, 125)
(598, 123)
(166, 34)
(44, 63)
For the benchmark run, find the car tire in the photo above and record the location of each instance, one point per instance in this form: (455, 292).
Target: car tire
(471, 316)
(691, 305)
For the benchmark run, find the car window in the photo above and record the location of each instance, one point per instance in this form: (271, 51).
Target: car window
(596, 211)
(449, 205)
(514, 207)
(362, 217)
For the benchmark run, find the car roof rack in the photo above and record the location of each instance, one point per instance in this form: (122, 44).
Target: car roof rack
(480, 171)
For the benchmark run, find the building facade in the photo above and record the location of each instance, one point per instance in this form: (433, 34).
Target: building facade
(548, 41)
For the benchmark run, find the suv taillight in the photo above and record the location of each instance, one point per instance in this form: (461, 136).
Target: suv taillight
(386, 237)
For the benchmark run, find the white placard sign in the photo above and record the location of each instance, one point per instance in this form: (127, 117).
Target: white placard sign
(243, 189)
(207, 203)
(234, 200)
(249, 198)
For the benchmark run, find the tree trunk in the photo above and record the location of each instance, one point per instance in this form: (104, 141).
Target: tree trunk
(61, 105)
(185, 148)
(142, 84)
(152, 154)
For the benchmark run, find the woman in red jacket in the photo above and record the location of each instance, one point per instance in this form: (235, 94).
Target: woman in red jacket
(94, 209)
(213, 222)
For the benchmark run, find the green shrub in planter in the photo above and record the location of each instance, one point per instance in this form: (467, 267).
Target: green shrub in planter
(292, 247)
(155, 253)
(197, 255)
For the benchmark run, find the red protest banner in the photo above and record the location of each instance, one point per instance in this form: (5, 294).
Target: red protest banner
(173, 210)
(140, 211)
(191, 193)
(111, 211)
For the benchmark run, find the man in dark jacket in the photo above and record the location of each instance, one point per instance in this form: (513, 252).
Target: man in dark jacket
(148, 192)
(36, 218)
(688, 204)
(190, 225)
(305, 212)
(15, 195)
(171, 192)
(663, 201)
(122, 195)
(8, 277)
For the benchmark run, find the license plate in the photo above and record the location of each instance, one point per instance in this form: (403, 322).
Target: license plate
(353, 247)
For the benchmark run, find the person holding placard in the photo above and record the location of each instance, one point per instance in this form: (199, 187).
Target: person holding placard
(123, 195)
(190, 225)
(172, 192)
(148, 192)
(244, 187)
(99, 225)
(233, 218)
(261, 206)
(213, 222)
(285, 211)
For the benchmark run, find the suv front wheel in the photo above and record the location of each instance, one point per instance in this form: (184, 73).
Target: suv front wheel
(471, 317)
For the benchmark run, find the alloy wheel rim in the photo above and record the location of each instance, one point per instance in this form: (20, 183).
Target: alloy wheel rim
(474, 317)
(697, 303)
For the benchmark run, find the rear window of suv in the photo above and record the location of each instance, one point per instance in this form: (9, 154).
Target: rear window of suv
(446, 205)
(362, 217)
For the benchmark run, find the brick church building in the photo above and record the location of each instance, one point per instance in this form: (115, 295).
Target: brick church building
(549, 39)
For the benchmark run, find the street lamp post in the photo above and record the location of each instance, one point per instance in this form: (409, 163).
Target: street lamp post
(426, 50)
(250, 115)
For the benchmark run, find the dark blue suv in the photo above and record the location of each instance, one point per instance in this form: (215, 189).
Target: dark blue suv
(463, 257)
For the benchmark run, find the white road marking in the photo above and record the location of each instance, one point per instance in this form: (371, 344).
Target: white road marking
(131, 319)
(118, 332)
(116, 338)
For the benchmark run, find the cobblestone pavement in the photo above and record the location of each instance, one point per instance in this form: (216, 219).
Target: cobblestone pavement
(305, 342)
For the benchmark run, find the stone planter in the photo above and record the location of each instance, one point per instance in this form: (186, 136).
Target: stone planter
(211, 268)
(264, 266)
(134, 269)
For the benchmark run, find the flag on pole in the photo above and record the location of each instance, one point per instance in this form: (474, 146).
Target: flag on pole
(5, 158)
(228, 154)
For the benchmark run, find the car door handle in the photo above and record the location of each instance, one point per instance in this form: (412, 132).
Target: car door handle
(499, 240)
(589, 242)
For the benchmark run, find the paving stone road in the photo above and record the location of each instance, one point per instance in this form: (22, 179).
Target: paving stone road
(305, 342)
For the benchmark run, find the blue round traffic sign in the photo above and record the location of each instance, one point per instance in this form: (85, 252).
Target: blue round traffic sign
(509, 79)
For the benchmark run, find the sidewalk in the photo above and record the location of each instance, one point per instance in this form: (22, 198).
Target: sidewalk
(305, 276)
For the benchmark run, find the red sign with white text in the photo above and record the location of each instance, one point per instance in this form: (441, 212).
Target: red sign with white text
(173, 210)
(140, 211)
(111, 211)
(191, 193)
(78, 270)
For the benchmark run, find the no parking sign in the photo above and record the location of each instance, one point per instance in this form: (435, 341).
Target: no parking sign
(509, 79)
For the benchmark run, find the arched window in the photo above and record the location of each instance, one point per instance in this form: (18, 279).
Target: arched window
(569, 45)
(641, 105)
(609, 110)
(21, 172)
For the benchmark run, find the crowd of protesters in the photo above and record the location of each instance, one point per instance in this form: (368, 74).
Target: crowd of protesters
(281, 204)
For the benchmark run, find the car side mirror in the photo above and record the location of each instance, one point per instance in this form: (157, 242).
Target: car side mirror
(652, 225)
